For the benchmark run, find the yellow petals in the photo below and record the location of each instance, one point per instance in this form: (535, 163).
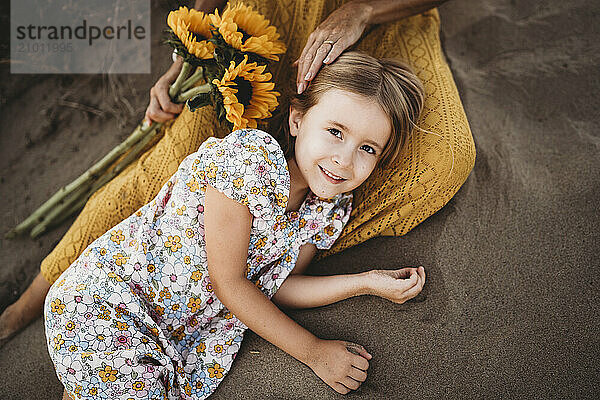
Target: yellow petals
(246, 30)
(262, 99)
(192, 27)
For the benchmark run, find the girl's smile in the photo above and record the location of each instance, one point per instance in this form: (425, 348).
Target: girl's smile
(338, 143)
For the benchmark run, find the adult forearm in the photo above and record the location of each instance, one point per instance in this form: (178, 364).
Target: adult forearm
(255, 310)
(304, 291)
(382, 11)
(209, 5)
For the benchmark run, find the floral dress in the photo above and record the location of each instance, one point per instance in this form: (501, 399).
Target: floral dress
(135, 316)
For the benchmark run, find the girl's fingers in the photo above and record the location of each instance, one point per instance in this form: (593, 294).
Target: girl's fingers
(421, 272)
(361, 363)
(358, 350)
(358, 375)
(350, 383)
(338, 387)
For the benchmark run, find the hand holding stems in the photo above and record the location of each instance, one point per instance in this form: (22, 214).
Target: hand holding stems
(161, 108)
(169, 93)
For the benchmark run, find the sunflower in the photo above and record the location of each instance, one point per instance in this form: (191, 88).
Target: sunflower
(246, 30)
(192, 27)
(247, 94)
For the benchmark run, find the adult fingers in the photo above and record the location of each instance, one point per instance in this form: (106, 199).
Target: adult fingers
(305, 63)
(337, 49)
(412, 280)
(162, 93)
(317, 62)
(303, 56)
(155, 113)
(414, 290)
(404, 273)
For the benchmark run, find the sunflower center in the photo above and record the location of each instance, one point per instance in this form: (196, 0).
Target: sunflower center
(244, 88)
(198, 37)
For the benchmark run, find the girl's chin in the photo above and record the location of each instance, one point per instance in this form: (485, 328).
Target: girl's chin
(326, 193)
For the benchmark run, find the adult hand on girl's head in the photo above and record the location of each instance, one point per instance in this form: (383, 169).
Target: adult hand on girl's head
(397, 285)
(340, 30)
(161, 108)
(340, 364)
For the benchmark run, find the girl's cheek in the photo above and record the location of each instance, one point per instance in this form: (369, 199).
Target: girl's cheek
(367, 167)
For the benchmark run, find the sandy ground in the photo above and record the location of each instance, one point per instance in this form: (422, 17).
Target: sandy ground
(510, 309)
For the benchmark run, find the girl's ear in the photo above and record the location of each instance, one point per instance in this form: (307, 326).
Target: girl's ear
(294, 121)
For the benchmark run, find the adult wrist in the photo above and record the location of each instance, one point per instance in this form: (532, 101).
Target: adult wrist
(367, 11)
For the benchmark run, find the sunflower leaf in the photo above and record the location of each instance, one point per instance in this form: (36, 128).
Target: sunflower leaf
(201, 100)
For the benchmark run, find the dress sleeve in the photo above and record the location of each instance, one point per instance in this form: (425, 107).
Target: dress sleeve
(333, 217)
(249, 167)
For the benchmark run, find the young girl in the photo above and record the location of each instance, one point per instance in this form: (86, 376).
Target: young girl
(158, 305)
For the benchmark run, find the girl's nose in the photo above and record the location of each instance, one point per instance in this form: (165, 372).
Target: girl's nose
(342, 157)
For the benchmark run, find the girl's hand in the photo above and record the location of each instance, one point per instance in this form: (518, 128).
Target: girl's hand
(340, 364)
(397, 285)
(339, 31)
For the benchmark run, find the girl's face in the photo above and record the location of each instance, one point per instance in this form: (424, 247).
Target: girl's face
(339, 141)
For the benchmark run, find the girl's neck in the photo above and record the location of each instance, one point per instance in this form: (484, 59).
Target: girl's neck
(298, 187)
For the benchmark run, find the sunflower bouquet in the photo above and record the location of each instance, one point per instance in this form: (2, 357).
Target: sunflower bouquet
(224, 64)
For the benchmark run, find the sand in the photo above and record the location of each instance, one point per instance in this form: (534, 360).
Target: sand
(510, 308)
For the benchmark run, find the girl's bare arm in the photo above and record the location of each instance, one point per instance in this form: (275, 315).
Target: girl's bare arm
(227, 227)
(340, 364)
(304, 291)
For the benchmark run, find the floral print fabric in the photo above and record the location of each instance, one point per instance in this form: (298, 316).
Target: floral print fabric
(135, 315)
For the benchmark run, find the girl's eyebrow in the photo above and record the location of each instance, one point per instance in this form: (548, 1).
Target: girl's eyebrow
(345, 128)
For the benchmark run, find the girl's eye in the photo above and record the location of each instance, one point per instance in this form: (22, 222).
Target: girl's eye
(335, 132)
(368, 149)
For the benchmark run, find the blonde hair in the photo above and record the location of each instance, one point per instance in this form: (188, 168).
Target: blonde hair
(390, 83)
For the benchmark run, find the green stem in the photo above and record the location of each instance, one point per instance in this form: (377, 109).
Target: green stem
(185, 96)
(76, 205)
(174, 89)
(77, 202)
(191, 81)
(90, 175)
(53, 209)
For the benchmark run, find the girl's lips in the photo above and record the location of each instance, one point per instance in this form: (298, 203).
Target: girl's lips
(330, 178)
